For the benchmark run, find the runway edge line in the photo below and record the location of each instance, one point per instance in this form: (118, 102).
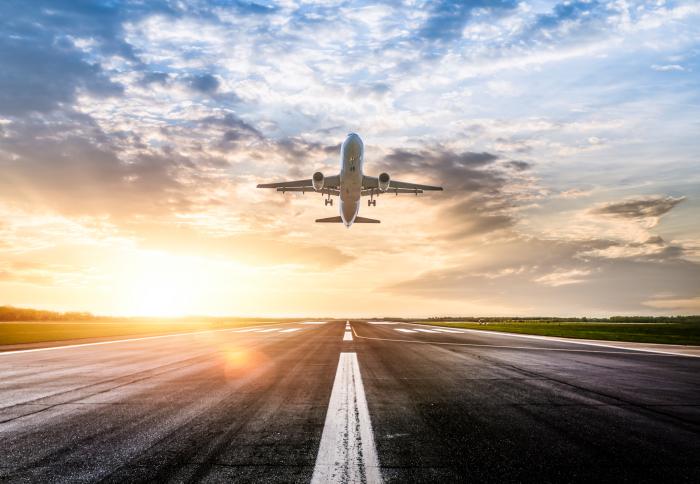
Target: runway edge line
(347, 452)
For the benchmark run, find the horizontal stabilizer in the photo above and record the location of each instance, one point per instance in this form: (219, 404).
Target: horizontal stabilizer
(362, 220)
(330, 220)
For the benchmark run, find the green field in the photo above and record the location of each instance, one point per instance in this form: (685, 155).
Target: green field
(682, 333)
(42, 331)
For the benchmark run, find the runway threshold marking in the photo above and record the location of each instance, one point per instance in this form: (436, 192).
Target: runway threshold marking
(347, 452)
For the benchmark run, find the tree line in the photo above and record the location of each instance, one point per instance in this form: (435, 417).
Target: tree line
(10, 313)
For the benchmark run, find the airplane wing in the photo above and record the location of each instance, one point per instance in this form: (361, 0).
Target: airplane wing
(289, 184)
(325, 191)
(375, 191)
(330, 183)
(369, 182)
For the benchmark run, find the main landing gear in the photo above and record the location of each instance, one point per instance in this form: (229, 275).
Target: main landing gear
(371, 202)
(328, 201)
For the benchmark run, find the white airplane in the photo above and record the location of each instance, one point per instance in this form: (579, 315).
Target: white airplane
(350, 185)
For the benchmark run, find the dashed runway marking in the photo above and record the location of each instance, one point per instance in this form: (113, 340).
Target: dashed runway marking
(347, 452)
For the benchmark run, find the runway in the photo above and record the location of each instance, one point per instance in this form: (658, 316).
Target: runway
(393, 402)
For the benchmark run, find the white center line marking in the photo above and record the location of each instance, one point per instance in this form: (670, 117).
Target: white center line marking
(405, 330)
(347, 452)
(291, 330)
(347, 336)
(426, 330)
(265, 330)
(314, 322)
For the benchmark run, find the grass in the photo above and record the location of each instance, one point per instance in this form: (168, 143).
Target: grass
(684, 333)
(37, 332)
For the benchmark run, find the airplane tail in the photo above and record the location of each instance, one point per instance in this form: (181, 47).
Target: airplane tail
(337, 220)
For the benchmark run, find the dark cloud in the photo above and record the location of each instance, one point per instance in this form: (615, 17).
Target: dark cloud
(473, 186)
(69, 165)
(448, 17)
(518, 165)
(42, 68)
(252, 8)
(41, 74)
(569, 21)
(204, 83)
(149, 78)
(567, 11)
(642, 207)
(235, 129)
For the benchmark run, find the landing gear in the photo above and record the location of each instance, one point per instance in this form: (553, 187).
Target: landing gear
(371, 203)
(328, 201)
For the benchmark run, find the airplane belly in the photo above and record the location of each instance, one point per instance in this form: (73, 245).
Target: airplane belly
(350, 192)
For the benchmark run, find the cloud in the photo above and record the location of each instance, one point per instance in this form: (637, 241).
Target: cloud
(519, 165)
(637, 208)
(258, 249)
(688, 305)
(668, 68)
(204, 83)
(570, 12)
(71, 166)
(447, 18)
(41, 73)
(474, 203)
(459, 171)
(524, 272)
(572, 193)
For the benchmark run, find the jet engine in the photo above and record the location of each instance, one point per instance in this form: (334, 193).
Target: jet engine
(317, 181)
(384, 182)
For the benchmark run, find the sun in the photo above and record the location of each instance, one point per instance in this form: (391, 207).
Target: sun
(164, 285)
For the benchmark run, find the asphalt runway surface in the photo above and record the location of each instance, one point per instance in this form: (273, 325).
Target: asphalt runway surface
(316, 403)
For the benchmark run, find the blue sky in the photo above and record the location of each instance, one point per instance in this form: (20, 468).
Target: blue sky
(132, 135)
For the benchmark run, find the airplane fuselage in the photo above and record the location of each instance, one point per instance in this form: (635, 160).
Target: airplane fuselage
(352, 153)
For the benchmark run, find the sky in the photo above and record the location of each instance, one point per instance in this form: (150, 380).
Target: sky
(566, 136)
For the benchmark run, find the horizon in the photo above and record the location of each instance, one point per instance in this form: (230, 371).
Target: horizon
(331, 318)
(132, 137)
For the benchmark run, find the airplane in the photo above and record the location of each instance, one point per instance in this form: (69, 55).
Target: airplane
(350, 185)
